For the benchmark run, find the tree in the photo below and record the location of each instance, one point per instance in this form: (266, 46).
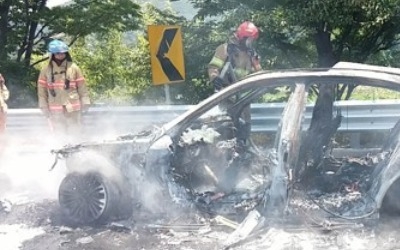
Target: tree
(116, 68)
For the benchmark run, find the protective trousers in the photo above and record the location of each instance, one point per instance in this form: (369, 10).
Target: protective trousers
(3, 120)
(3, 139)
(244, 124)
(66, 124)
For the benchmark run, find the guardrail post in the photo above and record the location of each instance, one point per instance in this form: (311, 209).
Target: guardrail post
(355, 140)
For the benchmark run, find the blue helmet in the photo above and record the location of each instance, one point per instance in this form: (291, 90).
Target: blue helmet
(57, 46)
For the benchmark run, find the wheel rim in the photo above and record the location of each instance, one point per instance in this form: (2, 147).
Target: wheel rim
(83, 196)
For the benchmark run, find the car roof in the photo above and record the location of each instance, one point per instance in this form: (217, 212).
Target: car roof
(338, 66)
(360, 66)
(371, 75)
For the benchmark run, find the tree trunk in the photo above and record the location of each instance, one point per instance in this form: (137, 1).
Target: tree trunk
(32, 33)
(323, 124)
(4, 10)
(326, 57)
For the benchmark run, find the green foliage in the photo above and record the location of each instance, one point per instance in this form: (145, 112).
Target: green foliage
(118, 68)
(93, 16)
(279, 94)
(200, 40)
(374, 93)
(115, 69)
(308, 33)
(288, 28)
(294, 33)
(357, 29)
(16, 77)
(29, 24)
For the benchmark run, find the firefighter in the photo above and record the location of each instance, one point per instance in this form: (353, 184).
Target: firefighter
(62, 92)
(231, 62)
(4, 94)
(238, 53)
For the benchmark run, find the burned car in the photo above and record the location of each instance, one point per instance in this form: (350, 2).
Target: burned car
(226, 156)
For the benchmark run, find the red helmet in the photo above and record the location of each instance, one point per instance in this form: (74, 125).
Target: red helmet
(247, 29)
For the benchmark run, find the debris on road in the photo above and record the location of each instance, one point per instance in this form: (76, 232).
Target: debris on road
(120, 227)
(245, 228)
(225, 221)
(65, 230)
(5, 206)
(84, 240)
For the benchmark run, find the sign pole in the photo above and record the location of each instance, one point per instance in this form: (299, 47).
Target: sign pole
(167, 94)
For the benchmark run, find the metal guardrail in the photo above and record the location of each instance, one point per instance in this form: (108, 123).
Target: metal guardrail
(357, 116)
(101, 119)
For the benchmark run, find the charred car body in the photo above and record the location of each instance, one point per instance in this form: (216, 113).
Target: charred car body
(217, 158)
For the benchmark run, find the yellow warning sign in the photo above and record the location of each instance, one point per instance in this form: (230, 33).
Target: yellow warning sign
(166, 52)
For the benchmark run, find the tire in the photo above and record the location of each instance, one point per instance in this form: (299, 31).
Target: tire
(391, 202)
(91, 198)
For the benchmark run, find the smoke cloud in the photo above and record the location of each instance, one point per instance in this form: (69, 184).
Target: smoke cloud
(24, 168)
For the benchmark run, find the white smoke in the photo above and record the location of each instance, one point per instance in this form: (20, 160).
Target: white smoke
(12, 236)
(24, 168)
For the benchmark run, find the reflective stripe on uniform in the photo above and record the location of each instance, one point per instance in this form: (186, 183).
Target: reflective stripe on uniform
(77, 82)
(56, 108)
(240, 73)
(42, 82)
(56, 85)
(217, 62)
(61, 85)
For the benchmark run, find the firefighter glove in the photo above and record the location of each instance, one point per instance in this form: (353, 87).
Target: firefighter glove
(218, 83)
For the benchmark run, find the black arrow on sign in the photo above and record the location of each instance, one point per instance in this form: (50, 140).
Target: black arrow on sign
(169, 69)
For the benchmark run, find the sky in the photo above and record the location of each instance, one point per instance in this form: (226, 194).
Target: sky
(183, 8)
(52, 3)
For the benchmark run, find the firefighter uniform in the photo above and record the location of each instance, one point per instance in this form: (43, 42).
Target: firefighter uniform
(4, 95)
(244, 62)
(62, 95)
(238, 53)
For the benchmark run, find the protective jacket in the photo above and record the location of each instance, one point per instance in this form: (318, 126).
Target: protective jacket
(4, 95)
(243, 60)
(62, 87)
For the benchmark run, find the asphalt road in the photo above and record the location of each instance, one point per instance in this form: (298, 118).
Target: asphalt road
(42, 228)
